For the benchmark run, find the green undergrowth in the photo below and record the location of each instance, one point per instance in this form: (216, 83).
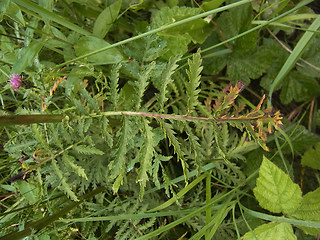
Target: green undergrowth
(159, 119)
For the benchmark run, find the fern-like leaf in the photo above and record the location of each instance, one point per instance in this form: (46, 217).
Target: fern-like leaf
(169, 132)
(117, 166)
(166, 79)
(64, 186)
(69, 161)
(87, 150)
(91, 102)
(193, 73)
(275, 191)
(145, 157)
(142, 84)
(114, 79)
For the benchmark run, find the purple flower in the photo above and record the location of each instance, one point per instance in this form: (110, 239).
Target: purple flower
(15, 81)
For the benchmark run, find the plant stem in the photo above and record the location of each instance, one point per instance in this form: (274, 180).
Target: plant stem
(54, 118)
(29, 119)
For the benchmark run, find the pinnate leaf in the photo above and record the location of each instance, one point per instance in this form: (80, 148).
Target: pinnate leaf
(87, 150)
(275, 191)
(145, 157)
(192, 85)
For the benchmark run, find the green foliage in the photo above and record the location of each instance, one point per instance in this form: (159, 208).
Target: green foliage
(271, 230)
(310, 157)
(309, 209)
(128, 134)
(105, 19)
(194, 81)
(88, 44)
(275, 191)
(179, 37)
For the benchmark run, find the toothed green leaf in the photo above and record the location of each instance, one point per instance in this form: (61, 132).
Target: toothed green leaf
(273, 230)
(275, 191)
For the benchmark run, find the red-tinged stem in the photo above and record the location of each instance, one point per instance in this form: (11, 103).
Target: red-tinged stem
(182, 117)
(54, 118)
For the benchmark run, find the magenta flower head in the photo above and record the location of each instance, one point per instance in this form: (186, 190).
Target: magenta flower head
(15, 81)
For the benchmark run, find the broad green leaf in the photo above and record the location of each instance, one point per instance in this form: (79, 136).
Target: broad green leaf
(105, 19)
(193, 30)
(275, 191)
(241, 67)
(311, 157)
(30, 191)
(89, 44)
(212, 4)
(236, 21)
(298, 87)
(301, 139)
(309, 209)
(311, 55)
(179, 37)
(26, 56)
(273, 230)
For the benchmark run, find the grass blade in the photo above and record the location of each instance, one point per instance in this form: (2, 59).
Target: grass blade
(294, 56)
(50, 15)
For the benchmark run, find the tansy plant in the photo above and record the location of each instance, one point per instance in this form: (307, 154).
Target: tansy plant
(153, 136)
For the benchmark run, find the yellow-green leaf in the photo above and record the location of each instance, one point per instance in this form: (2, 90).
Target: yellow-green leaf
(273, 230)
(275, 191)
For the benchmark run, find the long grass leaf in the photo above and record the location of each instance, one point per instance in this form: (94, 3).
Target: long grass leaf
(294, 56)
(179, 194)
(50, 15)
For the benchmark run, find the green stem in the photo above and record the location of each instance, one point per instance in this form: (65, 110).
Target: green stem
(208, 200)
(29, 119)
(54, 118)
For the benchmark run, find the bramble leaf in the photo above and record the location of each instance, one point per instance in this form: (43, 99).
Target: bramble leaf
(309, 209)
(179, 37)
(235, 21)
(273, 230)
(298, 87)
(311, 157)
(275, 191)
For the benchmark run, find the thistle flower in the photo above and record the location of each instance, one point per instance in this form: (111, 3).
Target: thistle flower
(15, 81)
